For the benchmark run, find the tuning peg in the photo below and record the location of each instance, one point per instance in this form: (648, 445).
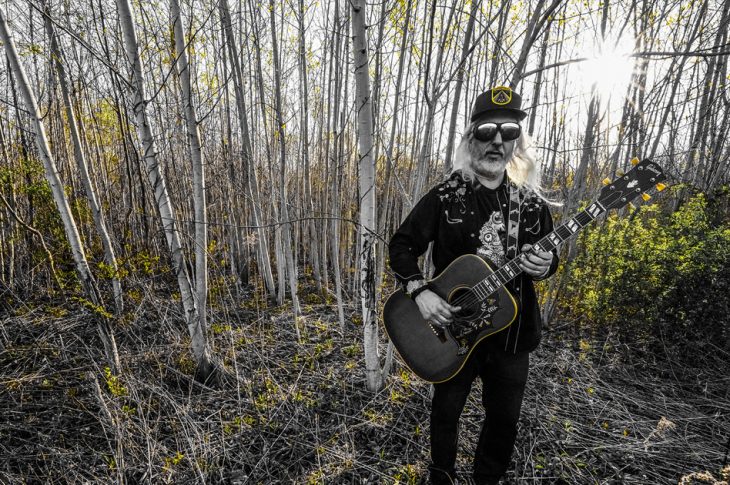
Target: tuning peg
(646, 197)
(660, 186)
(606, 181)
(634, 161)
(620, 173)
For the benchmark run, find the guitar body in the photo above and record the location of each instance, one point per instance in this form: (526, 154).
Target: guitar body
(437, 354)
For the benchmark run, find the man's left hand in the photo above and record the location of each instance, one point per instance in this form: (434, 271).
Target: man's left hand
(535, 263)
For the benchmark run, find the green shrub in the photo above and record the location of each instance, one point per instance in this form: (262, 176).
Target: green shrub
(660, 276)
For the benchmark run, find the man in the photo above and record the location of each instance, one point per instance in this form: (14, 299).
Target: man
(495, 175)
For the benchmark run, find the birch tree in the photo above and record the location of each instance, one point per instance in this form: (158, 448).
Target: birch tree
(59, 196)
(291, 270)
(80, 156)
(250, 178)
(366, 175)
(196, 330)
(310, 228)
(196, 155)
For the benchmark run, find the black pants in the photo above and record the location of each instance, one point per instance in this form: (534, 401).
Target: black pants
(503, 375)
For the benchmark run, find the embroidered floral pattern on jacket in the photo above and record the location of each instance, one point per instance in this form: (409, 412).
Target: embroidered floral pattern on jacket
(452, 194)
(489, 236)
(532, 205)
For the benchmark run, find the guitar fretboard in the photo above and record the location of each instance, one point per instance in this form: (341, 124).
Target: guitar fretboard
(562, 233)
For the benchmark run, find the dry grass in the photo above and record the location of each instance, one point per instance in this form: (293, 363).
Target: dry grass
(293, 412)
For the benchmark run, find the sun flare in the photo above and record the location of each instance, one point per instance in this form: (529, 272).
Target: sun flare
(609, 67)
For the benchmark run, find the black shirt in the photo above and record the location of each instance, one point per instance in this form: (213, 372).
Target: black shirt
(462, 217)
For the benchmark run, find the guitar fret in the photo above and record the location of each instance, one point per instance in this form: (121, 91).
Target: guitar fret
(554, 239)
(584, 218)
(510, 272)
(563, 229)
(550, 242)
(503, 275)
(595, 209)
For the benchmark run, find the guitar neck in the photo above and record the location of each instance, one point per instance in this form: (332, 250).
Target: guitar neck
(552, 241)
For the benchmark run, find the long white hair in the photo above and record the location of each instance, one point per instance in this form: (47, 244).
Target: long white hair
(522, 168)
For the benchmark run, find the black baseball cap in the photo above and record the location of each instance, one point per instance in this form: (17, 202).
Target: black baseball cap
(496, 100)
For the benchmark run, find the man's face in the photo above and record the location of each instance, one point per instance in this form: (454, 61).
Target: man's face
(489, 158)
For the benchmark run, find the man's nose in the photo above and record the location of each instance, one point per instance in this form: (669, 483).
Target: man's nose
(497, 140)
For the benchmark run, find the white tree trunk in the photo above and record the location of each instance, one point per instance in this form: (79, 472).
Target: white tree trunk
(291, 270)
(196, 330)
(57, 189)
(310, 227)
(94, 205)
(366, 176)
(199, 196)
(252, 186)
(51, 172)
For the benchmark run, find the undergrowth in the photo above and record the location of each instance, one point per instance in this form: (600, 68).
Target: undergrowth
(298, 412)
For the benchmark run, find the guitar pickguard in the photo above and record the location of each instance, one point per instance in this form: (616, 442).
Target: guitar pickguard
(475, 319)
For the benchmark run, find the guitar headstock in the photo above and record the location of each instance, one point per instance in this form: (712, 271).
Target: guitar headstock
(626, 187)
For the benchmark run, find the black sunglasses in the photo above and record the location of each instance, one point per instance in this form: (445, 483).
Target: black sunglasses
(487, 131)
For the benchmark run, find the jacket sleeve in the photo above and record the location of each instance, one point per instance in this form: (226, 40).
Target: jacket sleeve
(412, 238)
(546, 227)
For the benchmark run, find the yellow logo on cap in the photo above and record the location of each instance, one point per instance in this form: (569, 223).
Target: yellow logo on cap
(501, 95)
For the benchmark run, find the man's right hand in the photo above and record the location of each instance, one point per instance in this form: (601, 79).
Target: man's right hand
(435, 309)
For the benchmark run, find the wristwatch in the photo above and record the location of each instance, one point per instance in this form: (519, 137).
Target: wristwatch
(415, 287)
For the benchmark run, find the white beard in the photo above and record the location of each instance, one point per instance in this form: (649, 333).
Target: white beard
(489, 170)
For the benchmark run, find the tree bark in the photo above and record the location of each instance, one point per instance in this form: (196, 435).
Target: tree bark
(366, 176)
(59, 196)
(197, 331)
(200, 217)
(310, 228)
(459, 83)
(291, 270)
(94, 205)
(533, 31)
(250, 178)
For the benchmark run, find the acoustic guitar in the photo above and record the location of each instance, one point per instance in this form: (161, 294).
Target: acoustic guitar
(436, 353)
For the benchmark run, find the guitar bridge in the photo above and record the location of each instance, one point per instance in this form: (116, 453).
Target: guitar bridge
(439, 331)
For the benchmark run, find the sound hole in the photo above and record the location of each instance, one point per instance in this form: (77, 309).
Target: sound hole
(469, 303)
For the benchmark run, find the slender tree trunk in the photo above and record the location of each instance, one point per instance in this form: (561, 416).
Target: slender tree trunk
(196, 330)
(431, 97)
(368, 239)
(538, 83)
(496, 55)
(475, 5)
(199, 186)
(291, 270)
(59, 196)
(80, 156)
(51, 171)
(310, 227)
(261, 92)
(250, 179)
(534, 26)
(336, 160)
(390, 170)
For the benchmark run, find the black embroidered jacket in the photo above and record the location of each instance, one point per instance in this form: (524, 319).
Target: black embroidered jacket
(463, 217)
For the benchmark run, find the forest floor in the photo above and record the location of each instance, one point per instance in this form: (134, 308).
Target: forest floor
(298, 412)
